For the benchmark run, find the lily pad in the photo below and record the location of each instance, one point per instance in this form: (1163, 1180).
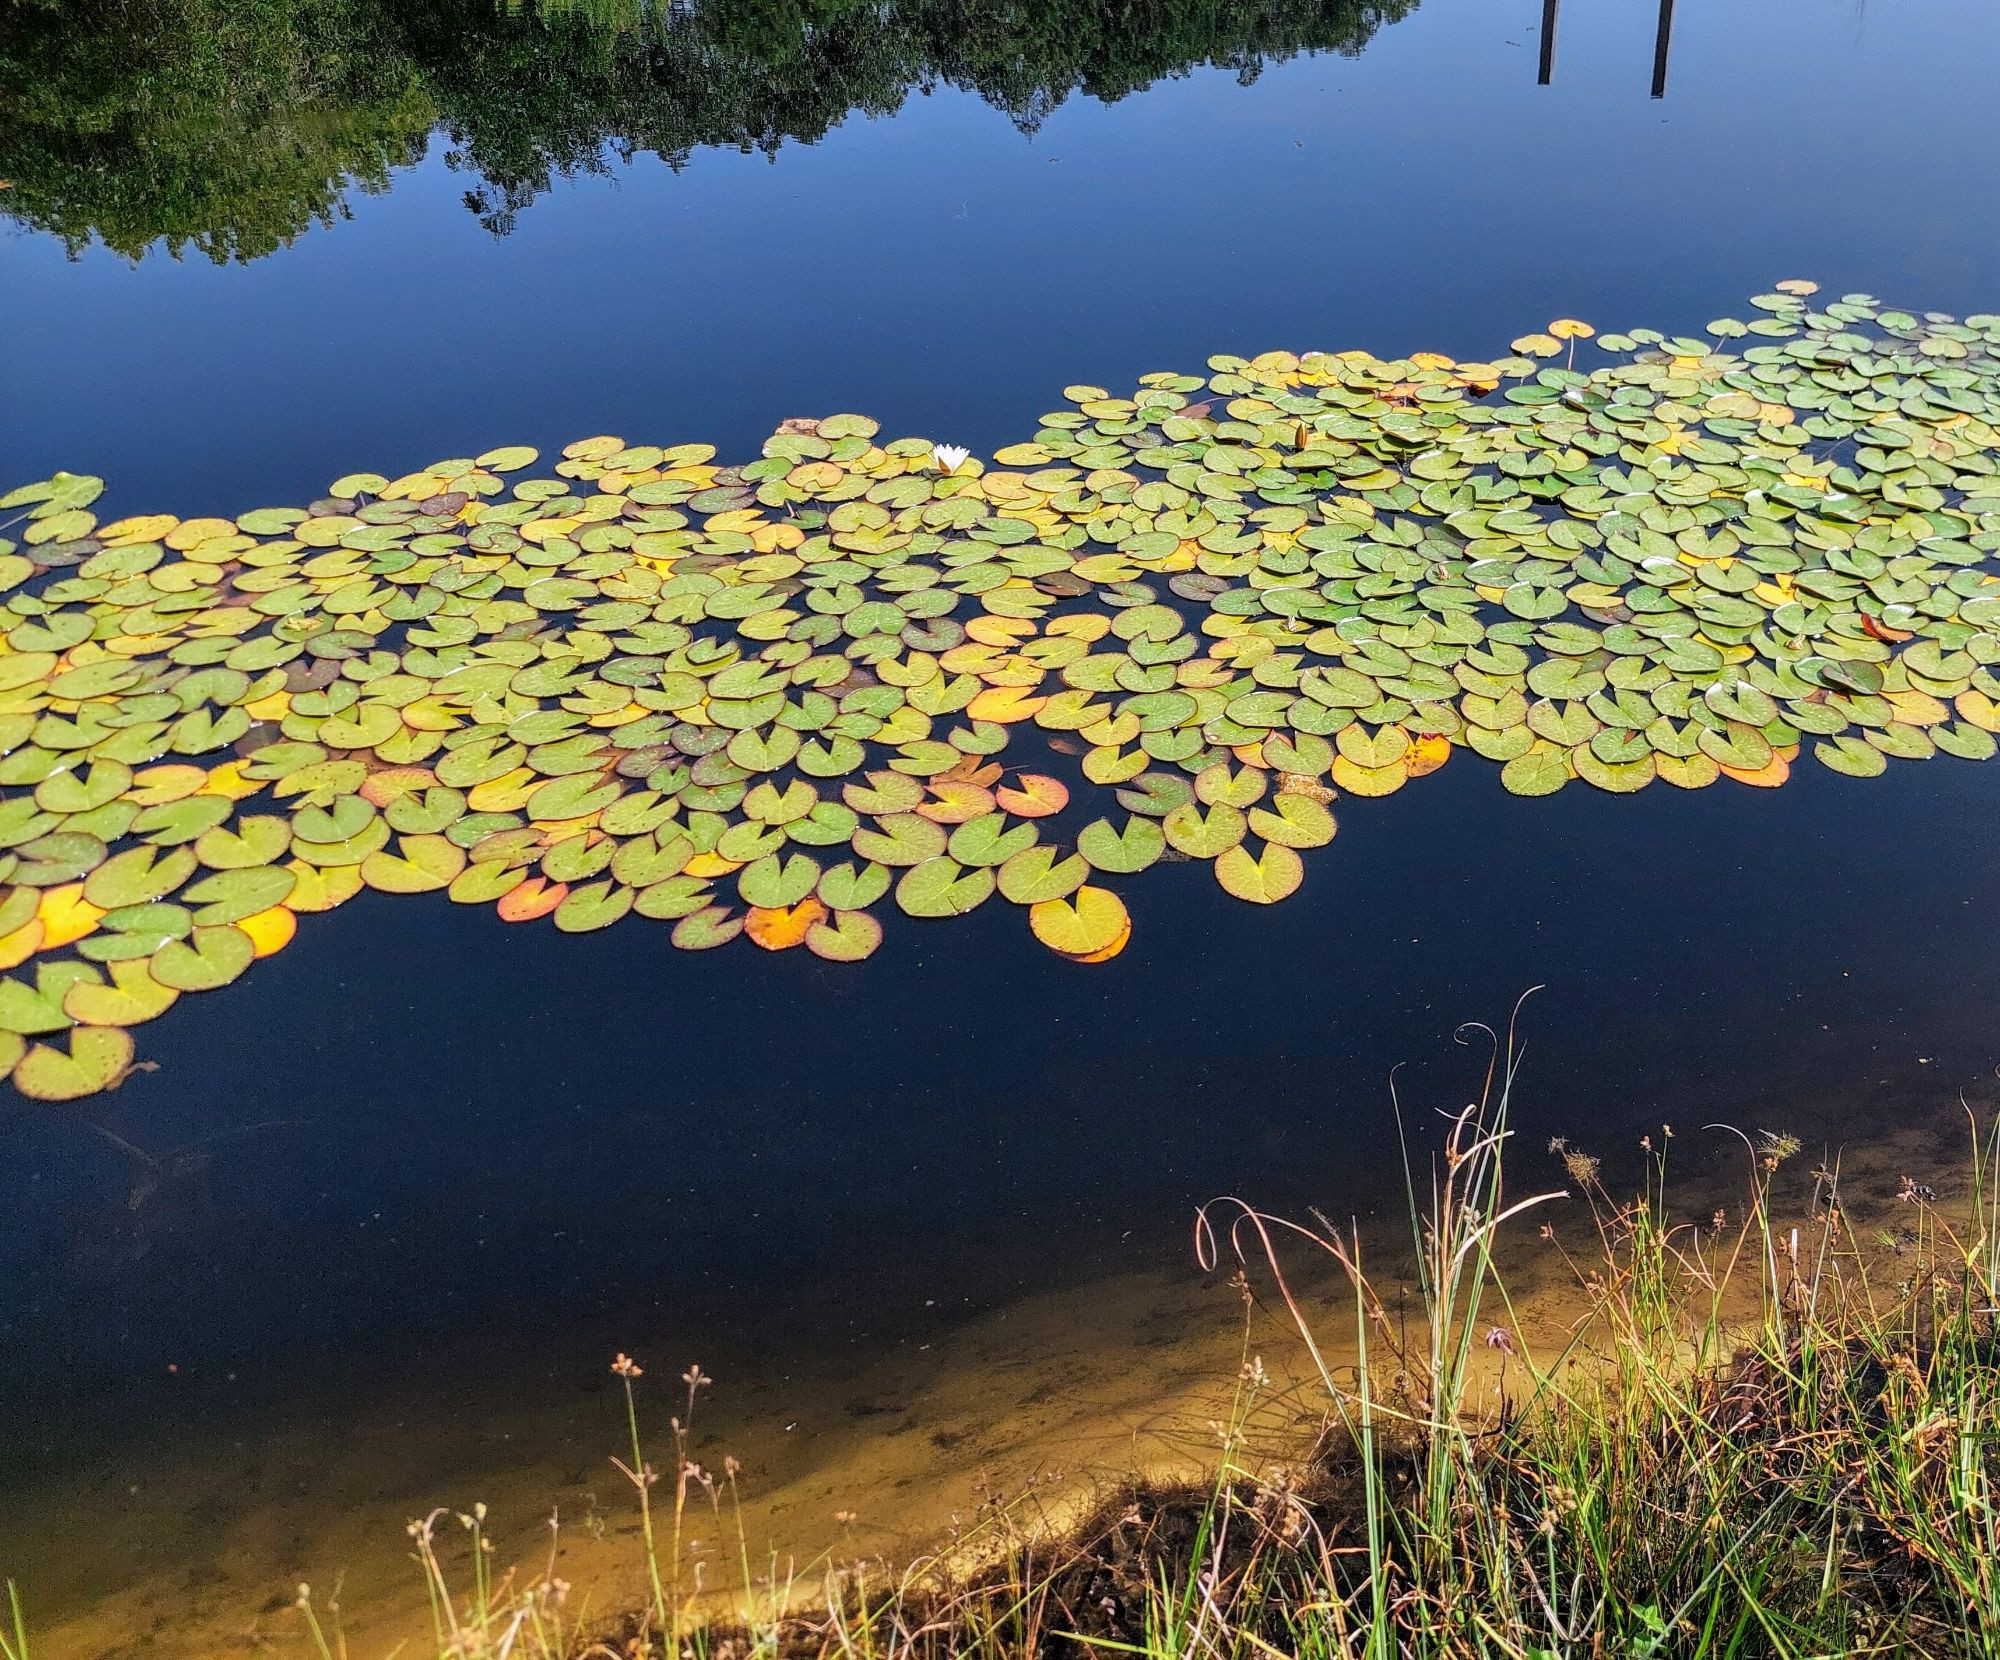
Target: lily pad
(1264, 878)
(1121, 852)
(991, 840)
(844, 936)
(1037, 874)
(1539, 772)
(1089, 922)
(592, 906)
(1204, 833)
(132, 998)
(631, 687)
(212, 958)
(96, 1059)
(942, 887)
(900, 839)
(420, 864)
(705, 929)
(231, 895)
(772, 883)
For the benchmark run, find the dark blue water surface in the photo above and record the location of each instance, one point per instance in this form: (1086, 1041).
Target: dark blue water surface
(496, 1137)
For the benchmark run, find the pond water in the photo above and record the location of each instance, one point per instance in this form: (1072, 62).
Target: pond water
(368, 1236)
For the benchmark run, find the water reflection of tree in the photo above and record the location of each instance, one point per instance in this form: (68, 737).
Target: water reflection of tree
(228, 126)
(231, 126)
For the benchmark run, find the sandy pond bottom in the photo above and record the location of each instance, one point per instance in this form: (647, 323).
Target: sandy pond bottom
(193, 1543)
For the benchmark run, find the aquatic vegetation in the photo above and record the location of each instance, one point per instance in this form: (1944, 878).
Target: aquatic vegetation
(768, 699)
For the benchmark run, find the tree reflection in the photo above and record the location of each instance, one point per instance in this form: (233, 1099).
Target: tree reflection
(230, 127)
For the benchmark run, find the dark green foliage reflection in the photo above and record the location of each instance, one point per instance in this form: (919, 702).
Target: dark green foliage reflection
(231, 126)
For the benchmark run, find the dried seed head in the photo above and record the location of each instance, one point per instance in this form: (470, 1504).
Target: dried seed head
(1582, 1168)
(1778, 1148)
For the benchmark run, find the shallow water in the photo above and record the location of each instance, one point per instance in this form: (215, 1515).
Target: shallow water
(945, 1193)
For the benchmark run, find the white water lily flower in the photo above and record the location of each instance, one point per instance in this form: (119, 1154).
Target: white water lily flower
(950, 457)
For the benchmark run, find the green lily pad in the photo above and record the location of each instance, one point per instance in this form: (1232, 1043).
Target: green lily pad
(594, 905)
(96, 1059)
(1851, 756)
(1293, 821)
(705, 929)
(84, 790)
(211, 959)
(1262, 879)
(775, 884)
(673, 898)
(1036, 874)
(176, 822)
(1121, 852)
(575, 796)
(260, 839)
(844, 888)
(30, 1010)
(1538, 772)
(1967, 742)
(232, 895)
(1204, 834)
(1616, 777)
(941, 887)
(136, 932)
(991, 840)
(1155, 794)
(50, 861)
(131, 999)
(137, 876)
(844, 937)
(900, 839)
(420, 864)
(1218, 785)
(428, 812)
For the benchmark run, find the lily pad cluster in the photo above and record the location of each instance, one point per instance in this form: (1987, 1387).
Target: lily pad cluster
(775, 699)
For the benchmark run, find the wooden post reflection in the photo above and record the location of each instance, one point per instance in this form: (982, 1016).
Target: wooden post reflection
(1663, 44)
